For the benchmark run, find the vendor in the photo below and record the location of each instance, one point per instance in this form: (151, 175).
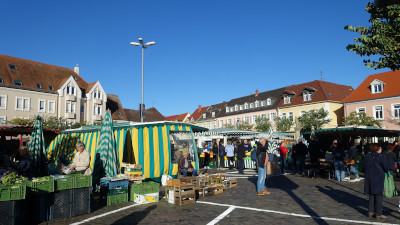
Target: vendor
(185, 165)
(25, 162)
(81, 161)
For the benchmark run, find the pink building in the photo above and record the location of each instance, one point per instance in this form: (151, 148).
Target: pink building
(378, 96)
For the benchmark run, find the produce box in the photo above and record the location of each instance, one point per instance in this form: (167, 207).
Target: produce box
(116, 199)
(171, 183)
(131, 166)
(64, 182)
(145, 188)
(113, 183)
(81, 181)
(145, 198)
(42, 185)
(12, 192)
(130, 170)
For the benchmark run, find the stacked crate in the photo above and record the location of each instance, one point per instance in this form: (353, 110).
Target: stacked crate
(133, 172)
(145, 192)
(115, 190)
(184, 194)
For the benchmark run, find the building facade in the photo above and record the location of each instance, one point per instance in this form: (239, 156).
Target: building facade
(208, 118)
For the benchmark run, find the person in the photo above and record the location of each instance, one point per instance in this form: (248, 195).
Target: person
(351, 167)
(241, 154)
(283, 150)
(230, 154)
(301, 152)
(315, 153)
(396, 150)
(215, 154)
(221, 155)
(375, 166)
(262, 161)
(185, 165)
(81, 161)
(24, 166)
(206, 151)
(338, 155)
(390, 158)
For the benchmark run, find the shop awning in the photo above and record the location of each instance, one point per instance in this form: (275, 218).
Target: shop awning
(224, 131)
(355, 131)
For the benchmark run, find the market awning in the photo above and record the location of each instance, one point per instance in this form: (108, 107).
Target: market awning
(15, 130)
(224, 131)
(356, 131)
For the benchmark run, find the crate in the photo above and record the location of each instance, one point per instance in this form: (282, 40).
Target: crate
(7, 212)
(40, 208)
(233, 183)
(199, 192)
(184, 194)
(105, 191)
(144, 188)
(14, 192)
(42, 186)
(61, 204)
(146, 198)
(81, 201)
(218, 189)
(113, 183)
(189, 180)
(203, 181)
(64, 182)
(81, 181)
(131, 166)
(173, 182)
(117, 199)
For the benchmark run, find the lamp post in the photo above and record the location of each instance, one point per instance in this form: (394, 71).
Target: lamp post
(144, 46)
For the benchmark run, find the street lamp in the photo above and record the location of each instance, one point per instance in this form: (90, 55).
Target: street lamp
(144, 46)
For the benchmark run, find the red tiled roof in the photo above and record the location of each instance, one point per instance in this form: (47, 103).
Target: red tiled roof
(178, 118)
(324, 91)
(198, 113)
(115, 106)
(31, 73)
(391, 88)
(90, 86)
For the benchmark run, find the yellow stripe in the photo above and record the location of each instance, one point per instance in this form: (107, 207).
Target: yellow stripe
(52, 146)
(135, 146)
(146, 152)
(174, 169)
(187, 128)
(93, 149)
(180, 128)
(166, 154)
(156, 152)
(172, 127)
(121, 145)
(194, 164)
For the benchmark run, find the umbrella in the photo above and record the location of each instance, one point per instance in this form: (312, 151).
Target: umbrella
(106, 147)
(37, 149)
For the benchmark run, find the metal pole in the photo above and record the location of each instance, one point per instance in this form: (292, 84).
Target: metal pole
(141, 106)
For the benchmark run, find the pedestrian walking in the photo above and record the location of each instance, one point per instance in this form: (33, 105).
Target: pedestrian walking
(351, 162)
(375, 166)
(230, 154)
(301, 152)
(206, 152)
(283, 150)
(262, 161)
(221, 155)
(338, 155)
(315, 153)
(215, 154)
(240, 157)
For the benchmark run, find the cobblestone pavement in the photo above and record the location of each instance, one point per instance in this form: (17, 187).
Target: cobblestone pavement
(293, 200)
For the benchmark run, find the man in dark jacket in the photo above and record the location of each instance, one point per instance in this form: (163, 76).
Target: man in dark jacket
(315, 151)
(262, 161)
(185, 165)
(375, 166)
(240, 156)
(221, 155)
(24, 167)
(390, 158)
(301, 152)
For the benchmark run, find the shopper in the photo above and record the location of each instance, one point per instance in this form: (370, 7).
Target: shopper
(230, 154)
(301, 152)
(283, 150)
(375, 166)
(315, 153)
(24, 166)
(241, 154)
(351, 162)
(391, 159)
(221, 155)
(338, 159)
(206, 152)
(215, 154)
(262, 161)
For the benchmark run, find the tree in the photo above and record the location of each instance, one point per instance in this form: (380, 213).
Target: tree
(52, 123)
(283, 124)
(380, 39)
(361, 119)
(262, 124)
(229, 125)
(316, 118)
(245, 126)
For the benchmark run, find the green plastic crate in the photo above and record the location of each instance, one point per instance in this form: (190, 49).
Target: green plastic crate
(144, 188)
(67, 182)
(117, 191)
(116, 199)
(14, 192)
(81, 181)
(42, 186)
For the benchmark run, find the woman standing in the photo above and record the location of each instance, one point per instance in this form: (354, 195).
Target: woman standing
(283, 152)
(206, 152)
(230, 154)
(338, 157)
(221, 155)
(375, 166)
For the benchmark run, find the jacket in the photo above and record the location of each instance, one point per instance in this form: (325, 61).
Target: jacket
(283, 151)
(230, 151)
(215, 150)
(375, 166)
(338, 154)
(181, 163)
(240, 152)
(315, 151)
(24, 167)
(391, 159)
(221, 150)
(81, 160)
(301, 149)
(262, 155)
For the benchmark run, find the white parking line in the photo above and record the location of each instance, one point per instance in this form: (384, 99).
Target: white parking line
(291, 214)
(220, 217)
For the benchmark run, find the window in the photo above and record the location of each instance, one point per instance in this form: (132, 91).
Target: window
(253, 119)
(51, 88)
(12, 67)
(229, 121)
(283, 115)
(52, 106)
(22, 104)
(42, 105)
(302, 112)
(213, 114)
(257, 104)
(237, 121)
(68, 107)
(236, 107)
(72, 90)
(246, 106)
(268, 101)
(396, 111)
(68, 90)
(263, 115)
(3, 101)
(246, 119)
(377, 88)
(73, 105)
(241, 107)
(378, 112)
(262, 103)
(291, 116)
(76, 79)
(361, 110)
(220, 123)
(1, 81)
(83, 110)
(27, 102)
(307, 96)
(39, 86)
(204, 115)
(227, 109)
(286, 99)
(231, 109)
(97, 94)
(251, 105)
(272, 116)
(3, 120)
(17, 82)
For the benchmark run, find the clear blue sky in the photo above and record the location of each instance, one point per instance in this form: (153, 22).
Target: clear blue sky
(207, 51)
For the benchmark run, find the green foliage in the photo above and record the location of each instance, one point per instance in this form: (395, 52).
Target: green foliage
(262, 124)
(380, 39)
(52, 122)
(23, 122)
(229, 125)
(316, 118)
(245, 126)
(283, 124)
(361, 119)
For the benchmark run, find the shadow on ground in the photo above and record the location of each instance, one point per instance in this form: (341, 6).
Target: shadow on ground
(136, 217)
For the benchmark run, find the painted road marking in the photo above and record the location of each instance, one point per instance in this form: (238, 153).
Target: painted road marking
(220, 217)
(291, 214)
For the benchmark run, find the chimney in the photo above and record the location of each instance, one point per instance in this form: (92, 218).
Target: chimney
(257, 92)
(198, 109)
(76, 69)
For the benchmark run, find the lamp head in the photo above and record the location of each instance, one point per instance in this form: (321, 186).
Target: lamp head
(135, 44)
(141, 40)
(150, 43)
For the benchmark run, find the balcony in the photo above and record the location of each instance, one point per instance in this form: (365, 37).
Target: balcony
(70, 115)
(97, 101)
(71, 98)
(97, 117)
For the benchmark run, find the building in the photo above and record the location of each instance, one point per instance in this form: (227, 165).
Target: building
(151, 115)
(378, 96)
(314, 95)
(29, 88)
(246, 109)
(117, 110)
(197, 114)
(184, 117)
(208, 118)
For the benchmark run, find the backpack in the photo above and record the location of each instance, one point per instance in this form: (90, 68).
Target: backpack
(253, 154)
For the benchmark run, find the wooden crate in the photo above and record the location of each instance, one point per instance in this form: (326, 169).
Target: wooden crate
(132, 166)
(203, 181)
(184, 194)
(227, 184)
(199, 192)
(189, 180)
(174, 182)
(233, 183)
(219, 189)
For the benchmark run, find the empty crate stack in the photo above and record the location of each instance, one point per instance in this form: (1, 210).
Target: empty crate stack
(114, 190)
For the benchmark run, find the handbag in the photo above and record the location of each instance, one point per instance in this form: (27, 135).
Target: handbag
(350, 161)
(389, 188)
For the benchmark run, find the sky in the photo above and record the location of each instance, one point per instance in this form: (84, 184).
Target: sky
(206, 51)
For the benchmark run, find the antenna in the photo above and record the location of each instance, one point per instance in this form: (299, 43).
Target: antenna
(322, 75)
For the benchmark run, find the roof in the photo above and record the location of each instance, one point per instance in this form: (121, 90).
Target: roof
(227, 132)
(390, 88)
(198, 113)
(178, 118)
(32, 73)
(115, 106)
(217, 109)
(152, 114)
(323, 91)
(355, 131)
(15, 130)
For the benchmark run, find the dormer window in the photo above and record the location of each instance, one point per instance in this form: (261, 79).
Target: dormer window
(251, 105)
(286, 99)
(241, 107)
(246, 106)
(227, 109)
(262, 103)
(231, 109)
(51, 88)
(17, 82)
(76, 79)
(268, 101)
(236, 107)
(39, 86)
(119, 112)
(376, 86)
(257, 104)
(12, 67)
(213, 114)
(204, 115)
(307, 96)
